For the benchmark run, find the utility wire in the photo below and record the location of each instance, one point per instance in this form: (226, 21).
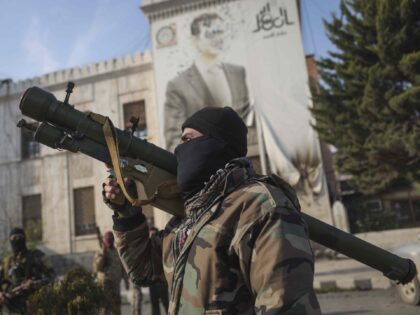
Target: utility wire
(140, 43)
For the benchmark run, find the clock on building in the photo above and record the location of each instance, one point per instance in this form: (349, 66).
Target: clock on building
(166, 36)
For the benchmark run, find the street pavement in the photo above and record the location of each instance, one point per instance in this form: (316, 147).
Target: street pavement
(341, 273)
(146, 307)
(376, 302)
(345, 273)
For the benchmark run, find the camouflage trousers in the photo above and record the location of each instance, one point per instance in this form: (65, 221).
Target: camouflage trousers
(112, 290)
(137, 300)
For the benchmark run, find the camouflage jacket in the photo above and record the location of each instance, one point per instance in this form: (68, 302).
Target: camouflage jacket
(108, 268)
(30, 264)
(249, 254)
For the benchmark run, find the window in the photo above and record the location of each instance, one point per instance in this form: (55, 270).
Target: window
(31, 217)
(373, 205)
(84, 211)
(416, 206)
(137, 110)
(402, 211)
(29, 147)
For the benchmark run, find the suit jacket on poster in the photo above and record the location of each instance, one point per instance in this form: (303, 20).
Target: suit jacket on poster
(188, 93)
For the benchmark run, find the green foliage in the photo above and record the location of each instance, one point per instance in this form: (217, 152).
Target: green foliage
(76, 294)
(380, 222)
(368, 103)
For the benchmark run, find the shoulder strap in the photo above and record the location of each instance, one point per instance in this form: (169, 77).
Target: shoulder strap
(111, 140)
(285, 187)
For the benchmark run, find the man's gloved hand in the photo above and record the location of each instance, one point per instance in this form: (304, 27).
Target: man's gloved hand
(115, 199)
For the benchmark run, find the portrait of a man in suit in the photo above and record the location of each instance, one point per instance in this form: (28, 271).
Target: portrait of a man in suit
(209, 81)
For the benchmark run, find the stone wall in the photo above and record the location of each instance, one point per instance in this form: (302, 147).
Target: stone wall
(101, 87)
(91, 73)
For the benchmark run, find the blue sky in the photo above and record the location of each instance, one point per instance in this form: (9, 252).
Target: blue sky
(41, 36)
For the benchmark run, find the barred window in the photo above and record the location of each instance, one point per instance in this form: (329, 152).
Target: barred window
(403, 211)
(84, 211)
(138, 110)
(29, 147)
(31, 217)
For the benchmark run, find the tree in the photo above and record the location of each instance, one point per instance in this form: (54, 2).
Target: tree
(368, 102)
(77, 293)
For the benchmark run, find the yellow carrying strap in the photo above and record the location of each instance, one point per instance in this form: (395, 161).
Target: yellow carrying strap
(112, 144)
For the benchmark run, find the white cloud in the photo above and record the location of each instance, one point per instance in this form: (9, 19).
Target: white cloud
(37, 48)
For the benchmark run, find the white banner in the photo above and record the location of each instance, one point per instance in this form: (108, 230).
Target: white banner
(248, 55)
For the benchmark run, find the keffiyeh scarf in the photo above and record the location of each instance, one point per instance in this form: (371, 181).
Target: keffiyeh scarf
(223, 182)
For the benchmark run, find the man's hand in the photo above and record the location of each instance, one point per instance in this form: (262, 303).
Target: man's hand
(26, 285)
(112, 189)
(114, 197)
(113, 193)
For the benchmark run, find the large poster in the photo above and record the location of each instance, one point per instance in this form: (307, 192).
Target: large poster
(246, 54)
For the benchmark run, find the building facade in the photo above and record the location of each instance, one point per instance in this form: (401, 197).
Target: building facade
(56, 195)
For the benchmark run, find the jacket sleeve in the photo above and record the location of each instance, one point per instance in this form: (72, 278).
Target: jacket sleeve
(175, 115)
(140, 255)
(276, 261)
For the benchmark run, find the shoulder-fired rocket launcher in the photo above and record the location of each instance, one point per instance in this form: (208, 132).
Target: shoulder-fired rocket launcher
(64, 127)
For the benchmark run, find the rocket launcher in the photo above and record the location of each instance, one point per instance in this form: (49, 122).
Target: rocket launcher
(64, 127)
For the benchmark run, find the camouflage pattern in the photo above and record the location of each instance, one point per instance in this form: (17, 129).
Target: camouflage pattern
(107, 266)
(249, 254)
(113, 306)
(109, 272)
(137, 300)
(15, 269)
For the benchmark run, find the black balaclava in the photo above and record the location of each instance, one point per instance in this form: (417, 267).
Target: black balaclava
(18, 245)
(224, 138)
